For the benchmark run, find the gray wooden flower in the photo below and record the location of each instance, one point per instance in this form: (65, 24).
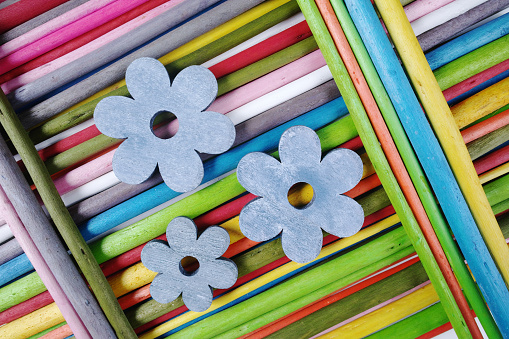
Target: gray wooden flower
(173, 279)
(270, 213)
(190, 93)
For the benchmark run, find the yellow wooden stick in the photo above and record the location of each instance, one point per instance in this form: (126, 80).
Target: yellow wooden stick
(446, 129)
(481, 104)
(32, 323)
(494, 173)
(386, 315)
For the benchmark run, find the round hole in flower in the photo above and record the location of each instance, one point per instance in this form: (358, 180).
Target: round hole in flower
(189, 265)
(159, 124)
(300, 195)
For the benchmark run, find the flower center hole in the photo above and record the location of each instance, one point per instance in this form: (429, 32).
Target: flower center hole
(300, 195)
(160, 124)
(189, 265)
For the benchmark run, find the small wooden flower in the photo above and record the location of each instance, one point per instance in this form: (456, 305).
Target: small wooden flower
(191, 92)
(270, 213)
(195, 283)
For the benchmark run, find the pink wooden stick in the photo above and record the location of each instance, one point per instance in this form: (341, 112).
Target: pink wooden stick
(35, 257)
(420, 8)
(53, 65)
(71, 31)
(51, 26)
(261, 86)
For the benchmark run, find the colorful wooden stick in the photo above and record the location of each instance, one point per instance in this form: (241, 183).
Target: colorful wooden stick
(62, 219)
(440, 176)
(30, 248)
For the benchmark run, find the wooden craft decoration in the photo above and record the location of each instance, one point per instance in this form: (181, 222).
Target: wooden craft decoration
(191, 92)
(271, 213)
(174, 279)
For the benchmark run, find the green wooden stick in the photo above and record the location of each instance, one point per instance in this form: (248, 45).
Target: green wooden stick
(415, 325)
(497, 190)
(415, 170)
(381, 164)
(472, 63)
(501, 207)
(484, 144)
(358, 302)
(347, 268)
(63, 220)
(375, 294)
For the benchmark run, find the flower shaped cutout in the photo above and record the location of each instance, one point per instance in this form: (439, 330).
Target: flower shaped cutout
(173, 279)
(190, 93)
(270, 213)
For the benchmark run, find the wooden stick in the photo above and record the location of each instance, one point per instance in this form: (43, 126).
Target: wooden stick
(9, 250)
(63, 220)
(24, 10)
(345, 303)
(29, 247)
(47, 28)
(468, 42)
(40, 20)
(442, 33)
(413, 166)
(81, 45)
(472, 63)
(443, 14)
(54, 253)
(449, 288)
(447, 132)
(377, 157)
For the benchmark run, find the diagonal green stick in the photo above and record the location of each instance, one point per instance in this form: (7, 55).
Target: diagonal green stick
(63, 220)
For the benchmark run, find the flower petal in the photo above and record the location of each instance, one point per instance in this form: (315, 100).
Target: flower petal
(260, 220)
(113, 116)
(196, 87)
(147, 80)
(181, 235)
(302, 242)
(341, 216)
(213, 242)
(157, 256)
(344, 168)
(300, 146)
(218, 273)
(163, 289)
(257, 172)
(212, 132)
(133, 163)
(182, 170)
(197, 296)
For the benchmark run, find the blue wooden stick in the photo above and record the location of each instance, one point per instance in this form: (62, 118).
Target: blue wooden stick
(433, 160)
